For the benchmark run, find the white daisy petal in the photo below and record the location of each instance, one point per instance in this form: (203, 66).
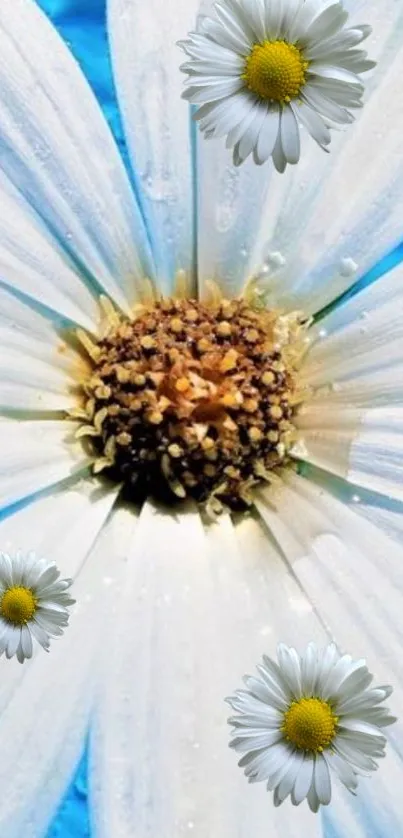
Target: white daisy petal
(328, 109)
(291, 668)
(59, 686)
(154, 132)
(183, 741)
(287, 784)
(303, 781)
(309, 666)
(267, 136)
(321, 780)
(342, 769)
(279, 158)
(35, 455)
(30, 260)
(289, 132)
(74, 193)
(250, 137)
(313, 800)
(313, 122)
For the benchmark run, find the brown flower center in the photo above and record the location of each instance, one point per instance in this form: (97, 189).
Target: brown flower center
(194, 400)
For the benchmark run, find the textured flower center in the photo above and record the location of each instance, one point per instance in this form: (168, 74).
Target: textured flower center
(18, 605)
(193, 400)
(310, 724)
(275, 70)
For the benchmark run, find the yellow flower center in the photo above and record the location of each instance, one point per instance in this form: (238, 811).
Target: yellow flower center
(192, 400)
(18, 605)
(310, 724)
(275, 70)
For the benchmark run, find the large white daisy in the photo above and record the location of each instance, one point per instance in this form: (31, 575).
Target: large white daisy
(259, 69)
(171, 607)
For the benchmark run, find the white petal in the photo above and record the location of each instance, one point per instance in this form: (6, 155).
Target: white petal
(157, 122)
(278, 155)
(303, 781)
(35, 455)
(30, 259)
(289, 135)
(37, 368)
(356, 354)
(49, 119)
(312, 215)
(79, 513)
(184, 771)
(325, 24)
(250, 137)
(286, 785)
(343, 770)
(291, 668)
(313, 122)
(324, 105)
(267, 136)
(365, 447)
(44, 725)
(321, 779)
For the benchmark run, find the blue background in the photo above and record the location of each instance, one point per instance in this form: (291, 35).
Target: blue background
(82, 25)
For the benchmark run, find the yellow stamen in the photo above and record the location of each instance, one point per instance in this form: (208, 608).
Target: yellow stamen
(310, 724)
(18, 605)
(275, 70)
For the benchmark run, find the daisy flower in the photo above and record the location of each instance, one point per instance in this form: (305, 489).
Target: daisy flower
(33, 603)
(191, 428)
(258, 69)
(306, 716)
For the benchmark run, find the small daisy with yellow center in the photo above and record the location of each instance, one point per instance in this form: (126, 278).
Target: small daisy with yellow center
(33, 603)
(305, 717)
(259, 70)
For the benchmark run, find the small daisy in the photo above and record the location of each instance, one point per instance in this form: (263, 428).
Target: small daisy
(305, 716)
(259, 69)
(33, 603)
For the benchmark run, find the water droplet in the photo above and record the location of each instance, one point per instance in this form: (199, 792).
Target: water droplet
(356, 498)
(322, 333)
(190, 824)
(347, 267)
(275, 260)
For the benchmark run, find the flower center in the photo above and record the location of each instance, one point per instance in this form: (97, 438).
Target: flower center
(18, 605)
(275, 70)
(189, 399)
(310, 724)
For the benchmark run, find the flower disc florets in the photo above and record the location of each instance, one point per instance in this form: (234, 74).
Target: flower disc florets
(188, 399)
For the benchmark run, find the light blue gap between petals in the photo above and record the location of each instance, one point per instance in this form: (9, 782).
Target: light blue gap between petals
(82, 25)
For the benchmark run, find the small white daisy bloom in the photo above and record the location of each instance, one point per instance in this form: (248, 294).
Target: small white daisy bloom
(33, 603)
(260, 68)
(306, 716)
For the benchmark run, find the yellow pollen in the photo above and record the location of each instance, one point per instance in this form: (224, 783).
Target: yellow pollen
(18, 605)
(310, 724)
(275, 71)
